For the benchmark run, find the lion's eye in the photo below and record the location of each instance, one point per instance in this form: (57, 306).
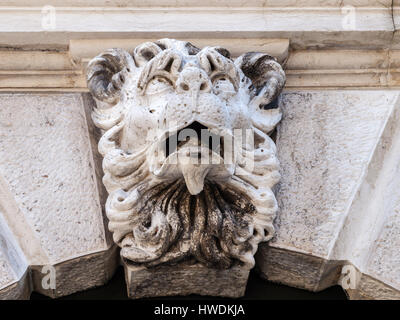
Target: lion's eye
(223, 85)
(158, 85)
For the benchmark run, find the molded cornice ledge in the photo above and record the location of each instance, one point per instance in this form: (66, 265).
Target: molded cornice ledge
(336, 68)
(334, 44)
(314, 24)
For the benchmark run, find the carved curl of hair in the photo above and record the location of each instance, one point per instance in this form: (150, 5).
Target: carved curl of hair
(105, 74)
(265, 73)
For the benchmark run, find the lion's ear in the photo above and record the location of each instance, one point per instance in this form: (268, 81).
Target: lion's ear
(106, 74)
(266, 74)
(267, 78)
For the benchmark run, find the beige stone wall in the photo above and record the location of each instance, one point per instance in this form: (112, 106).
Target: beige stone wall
(337, 197)
(50, 199)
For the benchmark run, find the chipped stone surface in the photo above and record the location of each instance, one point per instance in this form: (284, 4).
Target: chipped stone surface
(13, 264)
(49, 199)
(47, 163)
(324, 144)
(7, 275)
(384, 258)
(382, 262)
(339, 153)
(169, 281)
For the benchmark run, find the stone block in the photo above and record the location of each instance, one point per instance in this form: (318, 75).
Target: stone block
(49, 199)
(339, 153)
(185, 279)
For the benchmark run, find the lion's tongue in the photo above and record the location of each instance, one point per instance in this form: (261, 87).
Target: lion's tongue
(194, 176)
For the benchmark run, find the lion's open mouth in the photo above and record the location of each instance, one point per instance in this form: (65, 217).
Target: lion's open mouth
(194, 152)
(195, 134)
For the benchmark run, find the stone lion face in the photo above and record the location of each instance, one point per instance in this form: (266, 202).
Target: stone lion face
(188, 162)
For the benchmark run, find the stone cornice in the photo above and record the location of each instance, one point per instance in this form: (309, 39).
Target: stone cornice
(64, 70)
(321, 43)
(343, 68)
(194, 3)
(308, 24)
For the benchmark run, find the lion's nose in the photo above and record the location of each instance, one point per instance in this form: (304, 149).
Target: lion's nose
(193, 80)
(197, 86)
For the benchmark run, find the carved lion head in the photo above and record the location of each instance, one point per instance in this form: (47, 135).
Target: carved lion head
(172, 194)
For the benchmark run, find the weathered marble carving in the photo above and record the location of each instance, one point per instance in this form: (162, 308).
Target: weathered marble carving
(172, 195)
